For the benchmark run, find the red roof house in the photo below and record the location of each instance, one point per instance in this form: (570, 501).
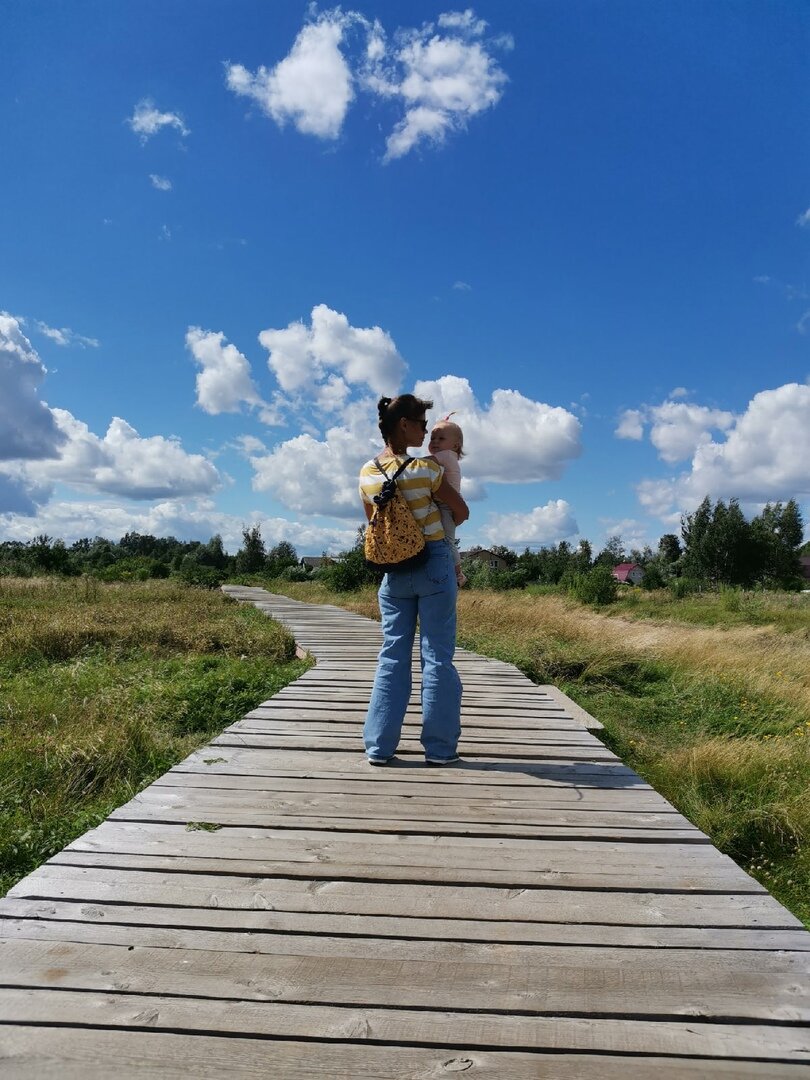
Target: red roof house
(629, 573)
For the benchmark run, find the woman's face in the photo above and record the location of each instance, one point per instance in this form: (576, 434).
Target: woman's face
(415, 430)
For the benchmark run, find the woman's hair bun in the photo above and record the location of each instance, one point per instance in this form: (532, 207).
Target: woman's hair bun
(383, 404)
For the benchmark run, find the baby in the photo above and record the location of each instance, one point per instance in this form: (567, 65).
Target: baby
(446, 446)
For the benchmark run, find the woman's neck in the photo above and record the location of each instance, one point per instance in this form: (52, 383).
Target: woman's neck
(391, 451)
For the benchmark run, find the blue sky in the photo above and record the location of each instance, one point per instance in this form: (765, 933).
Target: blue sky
(227, 227)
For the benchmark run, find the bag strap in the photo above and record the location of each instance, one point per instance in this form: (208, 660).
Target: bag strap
(402, 467)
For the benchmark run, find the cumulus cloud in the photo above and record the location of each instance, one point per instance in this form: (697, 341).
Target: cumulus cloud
(542, 525)
(631, 425)
(196, 519)
(301, 357)
(312, 86)
(123, 463)
(441, 75)
(162, 183)
(319, 475)
(803, 220)
(511, 440)
(677, 428)
(147, 120)
(65, 336)
(462, 286)
(763, 457)
(28, 429)
(225, 382)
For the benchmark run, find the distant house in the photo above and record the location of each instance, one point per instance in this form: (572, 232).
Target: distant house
(805, 564)
(629, 573)
(488, 558)
(314, 562)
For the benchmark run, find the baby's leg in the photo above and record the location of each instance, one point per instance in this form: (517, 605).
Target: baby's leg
(449, 526)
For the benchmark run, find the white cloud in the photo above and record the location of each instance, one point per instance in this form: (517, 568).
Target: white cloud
(803, 220)
(763, 457)
(442, 78)
(319, 476)
(306, 359)
(65, 336)
(312, 86)
(147, 120)
(677, 428)
(162, 183)
(122, 463)
(542, 525)
(634, 533)
(678, 392)
(196, 519)
(462, 20)
(631, 425)
(225, 382)
(462, 286)
(441, 75)
(513, 439)
(28, 429)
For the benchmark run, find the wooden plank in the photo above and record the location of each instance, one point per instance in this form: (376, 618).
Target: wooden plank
(64, 1053)
(405, 900)
(399, 1027)
(406, 779)
(650, 879)
(735, 985)
(469, 852)
(239, 921)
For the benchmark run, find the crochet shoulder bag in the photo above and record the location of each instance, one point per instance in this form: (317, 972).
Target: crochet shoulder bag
(394, 540)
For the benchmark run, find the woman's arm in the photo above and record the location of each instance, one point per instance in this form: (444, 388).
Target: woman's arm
(447, 494)
(369, 509)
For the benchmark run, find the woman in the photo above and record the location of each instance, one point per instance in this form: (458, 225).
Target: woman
(427, 593)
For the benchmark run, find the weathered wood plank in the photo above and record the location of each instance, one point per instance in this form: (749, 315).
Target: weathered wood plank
(253, 917)
(738, 986)
(648, 878)
(64, 1053)
(404, 900)
(398, 1026)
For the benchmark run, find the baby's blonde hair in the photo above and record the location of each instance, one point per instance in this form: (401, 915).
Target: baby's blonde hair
(447, 423)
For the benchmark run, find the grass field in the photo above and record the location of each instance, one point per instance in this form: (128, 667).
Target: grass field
(714, 712)
(105, 687)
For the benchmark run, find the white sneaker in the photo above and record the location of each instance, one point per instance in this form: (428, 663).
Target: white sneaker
(442, 760)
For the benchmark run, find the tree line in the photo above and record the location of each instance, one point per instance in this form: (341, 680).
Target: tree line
(717, 545)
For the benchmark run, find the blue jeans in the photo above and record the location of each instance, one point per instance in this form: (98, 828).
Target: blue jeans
(429, 594)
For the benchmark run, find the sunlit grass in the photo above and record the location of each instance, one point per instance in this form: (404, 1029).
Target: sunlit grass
(105, 687)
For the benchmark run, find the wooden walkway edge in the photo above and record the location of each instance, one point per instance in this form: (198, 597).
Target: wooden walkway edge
(273, 906)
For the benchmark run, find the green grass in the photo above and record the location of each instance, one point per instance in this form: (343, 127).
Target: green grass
(105, 687)
(723, 607)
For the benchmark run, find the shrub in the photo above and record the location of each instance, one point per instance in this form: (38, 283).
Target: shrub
(685, 586)
(294, 573)
(597, 587)
(201, 577)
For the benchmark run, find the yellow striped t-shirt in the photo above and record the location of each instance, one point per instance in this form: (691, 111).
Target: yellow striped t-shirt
(418, 483)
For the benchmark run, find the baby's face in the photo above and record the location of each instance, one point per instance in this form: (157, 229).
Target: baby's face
(443, 438)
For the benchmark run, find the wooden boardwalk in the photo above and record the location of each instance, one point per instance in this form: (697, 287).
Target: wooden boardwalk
(538, 911)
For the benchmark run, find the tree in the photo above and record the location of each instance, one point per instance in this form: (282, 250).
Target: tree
(776, 537)
(612, 553)
(694, 528)
(281, 556)
(251, 557)
(669, 548)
